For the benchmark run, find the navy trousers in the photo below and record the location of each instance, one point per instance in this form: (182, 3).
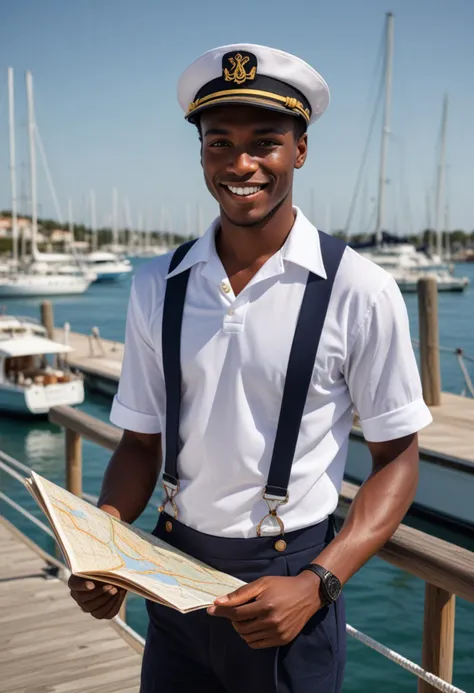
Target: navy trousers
(198, 653)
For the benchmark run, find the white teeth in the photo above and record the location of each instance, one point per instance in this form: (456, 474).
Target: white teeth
(245, 191)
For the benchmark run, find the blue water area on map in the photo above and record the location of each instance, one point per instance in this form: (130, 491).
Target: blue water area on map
(77, 513)
(141, 565)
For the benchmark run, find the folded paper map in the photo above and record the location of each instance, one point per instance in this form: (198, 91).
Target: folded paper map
(100, 547)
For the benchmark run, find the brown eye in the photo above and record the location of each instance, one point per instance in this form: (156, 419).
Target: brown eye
(267, 143)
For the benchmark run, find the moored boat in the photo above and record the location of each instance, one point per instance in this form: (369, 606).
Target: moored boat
(31, 382)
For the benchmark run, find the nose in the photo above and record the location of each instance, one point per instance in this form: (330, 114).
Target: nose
(243, 164)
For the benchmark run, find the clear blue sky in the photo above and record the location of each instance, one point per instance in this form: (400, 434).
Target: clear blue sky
(105, 74)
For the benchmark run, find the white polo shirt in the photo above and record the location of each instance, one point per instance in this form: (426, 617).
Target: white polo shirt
(234, 357)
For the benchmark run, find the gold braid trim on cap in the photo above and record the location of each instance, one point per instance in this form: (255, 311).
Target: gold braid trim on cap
(246, 94)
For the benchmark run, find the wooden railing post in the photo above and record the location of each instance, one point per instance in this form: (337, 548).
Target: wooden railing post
(429, 340)
(438, 636)
(47, 318)
(73, 462)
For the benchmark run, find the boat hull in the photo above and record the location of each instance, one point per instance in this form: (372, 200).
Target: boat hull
(110, 276)
(70, 287)
(37, 400)
(444, 493)
(407, 287)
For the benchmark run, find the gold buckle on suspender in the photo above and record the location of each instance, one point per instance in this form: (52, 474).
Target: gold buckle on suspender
(272, 524)
(170, 490)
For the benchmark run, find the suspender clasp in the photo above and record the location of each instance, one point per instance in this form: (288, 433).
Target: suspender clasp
(272, 524)
(171, 487)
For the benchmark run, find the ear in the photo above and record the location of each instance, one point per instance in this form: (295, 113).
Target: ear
(301, 151)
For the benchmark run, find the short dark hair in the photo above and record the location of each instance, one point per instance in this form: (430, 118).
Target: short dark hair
(299, 127)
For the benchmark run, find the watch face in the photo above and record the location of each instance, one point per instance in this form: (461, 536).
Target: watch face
(333, 587)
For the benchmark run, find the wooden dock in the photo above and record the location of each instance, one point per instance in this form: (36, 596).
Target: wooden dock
(47, 644)
(99, 359)
(451, 434)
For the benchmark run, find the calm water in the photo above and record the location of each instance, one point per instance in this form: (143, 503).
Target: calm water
(382, 601)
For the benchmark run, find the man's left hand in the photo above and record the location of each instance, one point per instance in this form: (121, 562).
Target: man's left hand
(271, 611)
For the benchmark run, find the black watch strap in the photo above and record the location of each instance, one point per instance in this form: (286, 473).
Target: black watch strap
(330, 585)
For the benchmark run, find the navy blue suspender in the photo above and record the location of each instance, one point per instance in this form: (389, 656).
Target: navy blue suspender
(173, 308)
(298, 377)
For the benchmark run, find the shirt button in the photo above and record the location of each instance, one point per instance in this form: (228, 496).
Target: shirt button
(225, 287)
(230, 312)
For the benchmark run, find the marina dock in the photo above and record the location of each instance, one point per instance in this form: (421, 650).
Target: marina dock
(100, 360)
(47, 644)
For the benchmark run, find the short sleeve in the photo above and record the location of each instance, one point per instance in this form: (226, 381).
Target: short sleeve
(382, 374)
(136, 404)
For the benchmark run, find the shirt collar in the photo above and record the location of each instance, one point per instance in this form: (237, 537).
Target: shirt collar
(302, 247)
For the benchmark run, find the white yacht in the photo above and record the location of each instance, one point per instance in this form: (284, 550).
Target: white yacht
(403, 256)
(407, 280)
(108, 266)
(31, 382)
(23, 277)
(26, 284)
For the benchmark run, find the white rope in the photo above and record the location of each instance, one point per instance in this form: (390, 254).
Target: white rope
(403, 662)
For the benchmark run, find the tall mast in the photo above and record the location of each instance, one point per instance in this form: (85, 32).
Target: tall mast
(71, 223)
(32, 145)
(93, 221)
(440, 179)
(11, 123)
(386, 126)
(114, 218)
(128, 221)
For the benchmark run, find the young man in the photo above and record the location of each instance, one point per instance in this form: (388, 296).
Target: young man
(247, 352)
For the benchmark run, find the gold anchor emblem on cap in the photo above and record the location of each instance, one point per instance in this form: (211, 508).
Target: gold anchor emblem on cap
(238, 74)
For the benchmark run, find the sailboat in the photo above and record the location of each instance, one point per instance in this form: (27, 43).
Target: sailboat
(398, 256)
(38, 277)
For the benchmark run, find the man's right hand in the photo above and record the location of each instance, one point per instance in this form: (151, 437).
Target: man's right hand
(96, 598)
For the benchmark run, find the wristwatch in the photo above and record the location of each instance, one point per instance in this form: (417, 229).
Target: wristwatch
(331, 586)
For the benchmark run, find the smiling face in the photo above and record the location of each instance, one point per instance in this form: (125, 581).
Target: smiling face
(249, 155)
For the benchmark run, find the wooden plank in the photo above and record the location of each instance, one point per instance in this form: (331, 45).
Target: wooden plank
(97, 679)
(100, 357)
(15, 650)
(47, 644)
(76, 675)
(63, 659)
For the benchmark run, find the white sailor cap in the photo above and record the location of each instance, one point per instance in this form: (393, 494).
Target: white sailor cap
(245, 73)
